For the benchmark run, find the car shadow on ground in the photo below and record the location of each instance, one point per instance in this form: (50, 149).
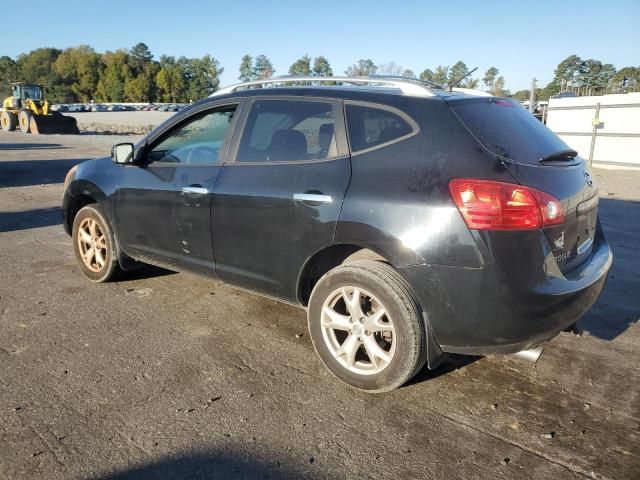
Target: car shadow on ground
(144, 271)
(452, 363)
(24, 220)
(31, 146)
(619, 305)
(220, 465)
(35, 172)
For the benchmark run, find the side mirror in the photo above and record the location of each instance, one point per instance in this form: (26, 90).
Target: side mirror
(122, 153)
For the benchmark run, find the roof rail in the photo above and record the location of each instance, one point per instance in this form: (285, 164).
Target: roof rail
(409, 86)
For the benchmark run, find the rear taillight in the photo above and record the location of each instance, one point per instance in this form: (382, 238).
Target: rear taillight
(489, 205)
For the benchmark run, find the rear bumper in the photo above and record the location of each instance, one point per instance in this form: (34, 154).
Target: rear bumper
(479, 311)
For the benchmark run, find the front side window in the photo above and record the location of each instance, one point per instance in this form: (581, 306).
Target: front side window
(284, 131)
(197, 142)
(372, 126)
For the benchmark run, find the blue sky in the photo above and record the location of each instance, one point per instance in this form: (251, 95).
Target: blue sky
(522, 39)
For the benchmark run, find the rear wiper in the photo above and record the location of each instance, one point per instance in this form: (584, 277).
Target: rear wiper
(559, 155)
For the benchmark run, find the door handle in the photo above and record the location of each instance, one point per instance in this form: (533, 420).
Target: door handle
(312, 197)
(195, 190)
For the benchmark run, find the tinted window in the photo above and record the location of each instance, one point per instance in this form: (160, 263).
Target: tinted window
(370, 126)
(508, 130)
(282, 130)
(197, 142)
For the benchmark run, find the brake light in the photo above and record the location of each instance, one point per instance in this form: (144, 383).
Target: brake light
(489, 205)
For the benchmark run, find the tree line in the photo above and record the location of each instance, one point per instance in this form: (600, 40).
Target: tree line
(586, 77)
(80, 74)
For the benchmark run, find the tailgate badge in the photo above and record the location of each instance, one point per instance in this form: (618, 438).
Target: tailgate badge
(588, 179)
(559, 242)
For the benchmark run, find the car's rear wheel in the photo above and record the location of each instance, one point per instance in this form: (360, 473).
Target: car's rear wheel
(94, 244)
(366, 326)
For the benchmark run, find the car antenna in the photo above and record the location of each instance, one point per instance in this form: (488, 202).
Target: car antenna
(453, 84)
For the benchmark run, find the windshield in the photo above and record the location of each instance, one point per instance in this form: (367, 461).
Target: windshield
(28, 91)
(507, 130)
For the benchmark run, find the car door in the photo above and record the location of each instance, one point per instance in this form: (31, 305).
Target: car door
(278, 199)
(163, 202)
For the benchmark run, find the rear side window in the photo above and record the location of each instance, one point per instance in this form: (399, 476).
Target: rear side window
(375, 126)
(287, 130)
(507, 130)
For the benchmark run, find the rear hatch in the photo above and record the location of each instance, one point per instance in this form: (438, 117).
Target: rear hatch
(537, 158)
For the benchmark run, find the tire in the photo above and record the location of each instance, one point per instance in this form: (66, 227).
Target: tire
(92, 221)
(24, 120)
(8, 121)
(399, 333)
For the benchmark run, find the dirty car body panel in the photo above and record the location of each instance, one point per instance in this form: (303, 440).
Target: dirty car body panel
(481, 290)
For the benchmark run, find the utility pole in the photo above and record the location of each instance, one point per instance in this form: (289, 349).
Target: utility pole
(532, 94)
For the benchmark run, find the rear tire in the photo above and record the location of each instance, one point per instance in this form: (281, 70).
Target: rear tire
(24, 120)
(94, 244)
(366, 326)
(8, 121)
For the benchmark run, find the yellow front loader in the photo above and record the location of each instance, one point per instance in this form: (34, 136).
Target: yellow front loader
(30, 111)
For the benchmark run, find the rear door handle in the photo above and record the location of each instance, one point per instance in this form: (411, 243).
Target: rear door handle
(312, 197)
(195, 190)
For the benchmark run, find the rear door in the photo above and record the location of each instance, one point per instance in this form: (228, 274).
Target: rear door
(277, 202)
(163, 205)
(538, 158)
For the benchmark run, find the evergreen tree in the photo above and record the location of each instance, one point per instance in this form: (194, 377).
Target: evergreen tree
(490, 78)
(247, 72)
(362, 68)
(321, 67)
(302, 66)
(263, 68)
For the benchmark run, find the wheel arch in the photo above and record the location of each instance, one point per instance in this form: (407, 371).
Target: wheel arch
(80, 194)
(326, 259)
(338, 254)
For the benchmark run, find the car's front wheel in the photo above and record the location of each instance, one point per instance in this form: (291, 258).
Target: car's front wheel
(366, 326)
(94, 244)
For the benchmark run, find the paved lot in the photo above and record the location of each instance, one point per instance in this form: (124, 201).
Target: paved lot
(170, 376)
(122, 118)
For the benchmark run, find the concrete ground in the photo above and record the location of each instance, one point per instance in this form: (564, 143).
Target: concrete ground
(126, 118)
(165, 375)
(123, 122)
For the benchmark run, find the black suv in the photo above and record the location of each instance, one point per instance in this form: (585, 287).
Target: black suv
(408, 220)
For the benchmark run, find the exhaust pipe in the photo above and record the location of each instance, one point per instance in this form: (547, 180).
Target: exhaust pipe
(532, 355)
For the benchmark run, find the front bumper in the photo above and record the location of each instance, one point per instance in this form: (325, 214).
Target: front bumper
(480, 311)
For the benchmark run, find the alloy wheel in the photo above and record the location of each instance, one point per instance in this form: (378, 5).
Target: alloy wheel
(92, 243)
(358, 330)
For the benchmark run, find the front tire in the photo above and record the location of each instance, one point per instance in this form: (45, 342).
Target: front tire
(366, 326)
(24, 120)
(94, 244)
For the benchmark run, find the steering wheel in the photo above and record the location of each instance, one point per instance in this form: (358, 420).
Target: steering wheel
(202, 154)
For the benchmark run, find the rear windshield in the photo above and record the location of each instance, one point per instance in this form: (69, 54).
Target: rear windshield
(508, 130)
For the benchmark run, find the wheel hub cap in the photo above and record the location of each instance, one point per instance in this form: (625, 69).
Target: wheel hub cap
(92, 244)
(358, 330)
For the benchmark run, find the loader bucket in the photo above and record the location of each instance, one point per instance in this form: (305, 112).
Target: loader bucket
(43, 124)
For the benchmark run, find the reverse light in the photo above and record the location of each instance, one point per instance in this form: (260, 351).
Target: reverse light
(489, 205)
